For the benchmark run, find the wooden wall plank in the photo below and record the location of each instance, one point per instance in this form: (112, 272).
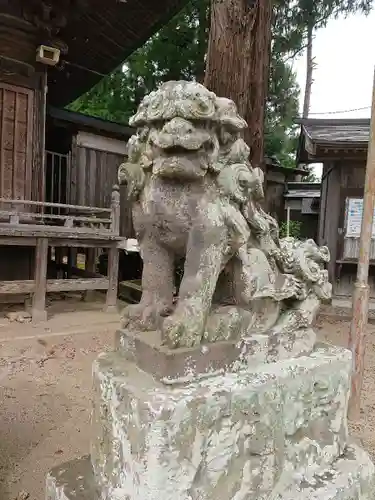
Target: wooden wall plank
(101, 143)
(19, 168)
(81, 175)
(323, 203)
(100, 178)
(2, 132)
(16, 141)
(332, 218)
(106, 194)
(38, 181)
(93, 173)
(73, 174)
(351, 249)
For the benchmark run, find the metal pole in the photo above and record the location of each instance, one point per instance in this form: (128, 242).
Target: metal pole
(357, 336)
(288, 222)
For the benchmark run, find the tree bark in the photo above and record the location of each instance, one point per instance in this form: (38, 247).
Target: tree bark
(237, 64)
(204, 19)
(309, 72)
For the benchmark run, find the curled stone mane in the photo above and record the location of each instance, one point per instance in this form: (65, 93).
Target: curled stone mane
(189, 100)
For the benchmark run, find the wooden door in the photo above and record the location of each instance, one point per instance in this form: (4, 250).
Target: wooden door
(16, 132)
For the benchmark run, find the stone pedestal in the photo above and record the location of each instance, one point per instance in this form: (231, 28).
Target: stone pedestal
(273, 431)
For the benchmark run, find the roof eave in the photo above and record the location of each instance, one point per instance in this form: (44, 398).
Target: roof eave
(94, 75)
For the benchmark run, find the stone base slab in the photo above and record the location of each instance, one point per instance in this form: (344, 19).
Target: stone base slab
(274, 431)
(145, 349)
(351, 477)
(240, 435)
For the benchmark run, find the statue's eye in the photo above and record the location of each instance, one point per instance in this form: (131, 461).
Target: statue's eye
(244, 181)
(158, 125)
(243, 184)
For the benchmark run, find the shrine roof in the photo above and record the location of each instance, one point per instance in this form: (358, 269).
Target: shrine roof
(101, 38)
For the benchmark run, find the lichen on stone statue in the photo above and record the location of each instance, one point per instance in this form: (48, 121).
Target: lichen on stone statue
(196, 197)
(219, 391)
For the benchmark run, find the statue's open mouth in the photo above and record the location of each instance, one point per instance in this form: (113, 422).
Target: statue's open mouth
(177, 162)
(183, 153)
(191, 141)
(178, 151)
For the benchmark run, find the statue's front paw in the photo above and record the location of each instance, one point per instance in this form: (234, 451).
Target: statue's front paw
(153, 315)
(145, 316)
(131, 314)
(184, 328)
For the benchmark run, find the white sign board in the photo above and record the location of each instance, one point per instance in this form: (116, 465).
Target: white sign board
(354, 218)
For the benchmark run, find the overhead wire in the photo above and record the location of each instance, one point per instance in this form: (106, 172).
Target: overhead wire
(310, 114)
(342, 111)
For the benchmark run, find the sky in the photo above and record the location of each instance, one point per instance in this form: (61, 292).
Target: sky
(343, 79)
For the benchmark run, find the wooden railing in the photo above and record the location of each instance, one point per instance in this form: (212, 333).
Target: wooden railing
(97, 219)
(57, 179)
(90, 228)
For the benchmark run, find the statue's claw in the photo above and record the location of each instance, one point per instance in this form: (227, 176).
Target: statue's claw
(146, 316)
(184, 328)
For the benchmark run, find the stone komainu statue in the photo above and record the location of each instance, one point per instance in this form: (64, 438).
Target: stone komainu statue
(196, 197)
(258, 411)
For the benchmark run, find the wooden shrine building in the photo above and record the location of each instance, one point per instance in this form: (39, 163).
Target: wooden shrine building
(276, 179)
(341, 146)
(302, 205)
(57, 169)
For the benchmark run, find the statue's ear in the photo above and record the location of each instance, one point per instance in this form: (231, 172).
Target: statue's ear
(260, 174)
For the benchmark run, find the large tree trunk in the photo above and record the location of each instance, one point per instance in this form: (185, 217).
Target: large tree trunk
(238, 62)
(309, 72)
(308, 88)
(204, 19)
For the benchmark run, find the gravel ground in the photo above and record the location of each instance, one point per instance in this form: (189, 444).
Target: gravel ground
(45, 406)
(337, 332)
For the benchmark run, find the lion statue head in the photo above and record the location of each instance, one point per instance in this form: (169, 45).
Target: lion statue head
(183, 132)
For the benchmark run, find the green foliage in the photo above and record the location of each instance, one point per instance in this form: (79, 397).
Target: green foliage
(311, 177)
(293, 17)
(294, 229)
(178, 51)
(282, 108)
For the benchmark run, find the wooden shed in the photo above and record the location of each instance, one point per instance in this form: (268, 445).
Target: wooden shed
(56, 169)
(82, 158)
(341, 146)
(276, 178)
(302, 205)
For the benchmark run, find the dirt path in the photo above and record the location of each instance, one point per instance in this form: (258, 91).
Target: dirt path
(45, 408)
(337, 332)
(45, 394)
